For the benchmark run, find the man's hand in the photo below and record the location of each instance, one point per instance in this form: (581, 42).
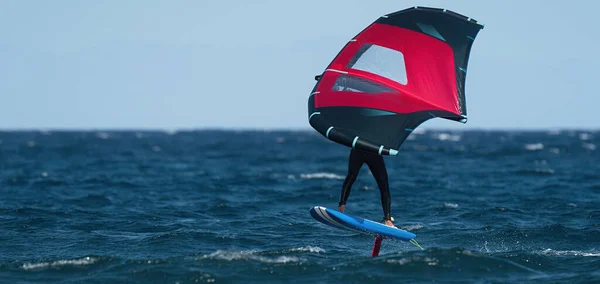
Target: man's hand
(342, 208)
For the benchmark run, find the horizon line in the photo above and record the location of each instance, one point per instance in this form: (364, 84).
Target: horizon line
(274, 129)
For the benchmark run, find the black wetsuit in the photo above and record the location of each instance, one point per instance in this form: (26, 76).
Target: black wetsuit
(377, 167)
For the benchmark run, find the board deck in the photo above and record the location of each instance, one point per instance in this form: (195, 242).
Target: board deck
(344, 221)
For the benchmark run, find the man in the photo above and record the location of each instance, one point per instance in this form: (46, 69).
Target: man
(377, 167)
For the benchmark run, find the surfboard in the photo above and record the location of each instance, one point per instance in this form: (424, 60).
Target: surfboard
(344, 221)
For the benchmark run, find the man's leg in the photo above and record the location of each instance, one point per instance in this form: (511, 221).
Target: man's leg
(377, 167)
(355, 162)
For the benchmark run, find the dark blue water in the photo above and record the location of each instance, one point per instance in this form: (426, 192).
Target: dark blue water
(216, 206)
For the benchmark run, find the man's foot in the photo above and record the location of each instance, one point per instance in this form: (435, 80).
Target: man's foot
(389, 223)
(342, 208)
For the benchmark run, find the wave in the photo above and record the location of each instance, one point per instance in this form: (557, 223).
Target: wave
(536, 171)
(60, 263)
(91, 201)
(568, 253)
(584, 136)
(308, 249)
(589, 146)
(534, 146)
(266, 256)
(412, 228)
(321, 175)
(448, 137)
(251, 255)
(102, 135)
(471, 263)
(450, 205)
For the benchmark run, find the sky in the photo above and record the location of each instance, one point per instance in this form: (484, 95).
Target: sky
(144, 64)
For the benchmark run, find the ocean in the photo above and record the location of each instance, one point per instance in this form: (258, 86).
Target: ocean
(216, 206)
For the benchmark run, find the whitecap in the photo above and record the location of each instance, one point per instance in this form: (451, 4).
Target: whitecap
(411, 228)
(308, 249)
(321, 175)
(450, 205)
(584, 136)
(544, 171)
(249, 255)
(589, 146)
(74, 262)
(448, 137)
(431, 261)
(534, 147)
(568, 253)
(554, 132)
(102, 135)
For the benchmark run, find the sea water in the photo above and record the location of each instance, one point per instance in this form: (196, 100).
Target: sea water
(233, 206)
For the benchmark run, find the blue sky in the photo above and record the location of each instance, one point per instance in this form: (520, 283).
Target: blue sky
(250, 64)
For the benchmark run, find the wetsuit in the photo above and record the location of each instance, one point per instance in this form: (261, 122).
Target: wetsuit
(377, 167)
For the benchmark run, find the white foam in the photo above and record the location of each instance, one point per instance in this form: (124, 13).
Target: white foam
(156, 149)
(544, 170)
(589, 146)
(102, 135)
(31, 144)
(554, 132)
(280, 140)
(568, 253)
(308, 249)
(448, 137)
(321, 176)
(584, 136)
(412, 227)
(432, 261)
(74, 262)
(534, 147)
(249, 255)
(450, 205)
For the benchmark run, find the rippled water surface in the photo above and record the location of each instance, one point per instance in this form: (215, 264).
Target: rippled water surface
(233, 206)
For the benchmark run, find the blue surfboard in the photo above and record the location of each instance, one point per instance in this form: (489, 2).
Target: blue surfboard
(344, 221)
